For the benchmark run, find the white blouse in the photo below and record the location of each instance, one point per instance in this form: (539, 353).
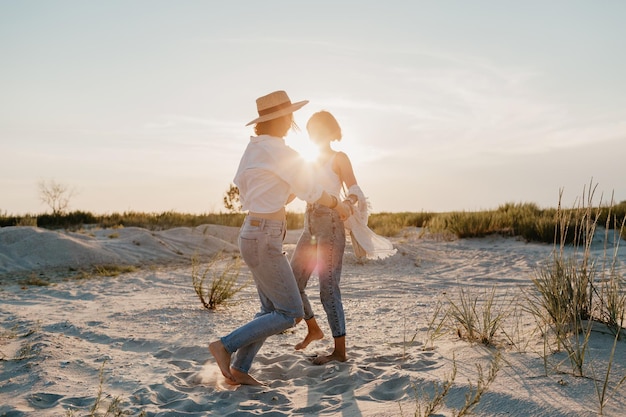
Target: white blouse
(269, 171)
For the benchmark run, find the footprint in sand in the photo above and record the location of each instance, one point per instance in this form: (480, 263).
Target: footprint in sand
(43, 400)
(392, 390)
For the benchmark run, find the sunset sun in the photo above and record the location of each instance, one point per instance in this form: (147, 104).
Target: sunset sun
(304, 147)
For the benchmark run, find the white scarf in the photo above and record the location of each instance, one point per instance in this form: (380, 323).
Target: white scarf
(365, 242)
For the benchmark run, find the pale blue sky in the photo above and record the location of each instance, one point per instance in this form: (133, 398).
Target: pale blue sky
(445, 105)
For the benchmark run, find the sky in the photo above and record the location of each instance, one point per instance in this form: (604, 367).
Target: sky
(444, 105)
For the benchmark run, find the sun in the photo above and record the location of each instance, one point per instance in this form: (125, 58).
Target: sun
(303, 146)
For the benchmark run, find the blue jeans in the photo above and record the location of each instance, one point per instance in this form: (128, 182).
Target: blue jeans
(261, 246)
(321, 246)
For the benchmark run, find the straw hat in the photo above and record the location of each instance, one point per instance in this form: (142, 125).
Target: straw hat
(275, 105)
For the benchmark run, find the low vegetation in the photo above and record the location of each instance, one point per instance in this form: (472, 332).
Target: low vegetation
(217, 282)
(577, 294)
(100, 408)
(525, 220)
(430, 403)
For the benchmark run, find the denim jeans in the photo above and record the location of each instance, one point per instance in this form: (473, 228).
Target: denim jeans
(321, 246)
(261, 246)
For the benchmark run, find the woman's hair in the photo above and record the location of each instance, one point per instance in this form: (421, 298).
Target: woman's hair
(324, 124)
(276, 127)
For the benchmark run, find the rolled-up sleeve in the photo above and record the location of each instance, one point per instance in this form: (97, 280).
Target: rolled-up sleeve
(296, 172)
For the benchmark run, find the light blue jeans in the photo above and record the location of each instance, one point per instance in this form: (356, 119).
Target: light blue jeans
(321, 246)
(261, 246)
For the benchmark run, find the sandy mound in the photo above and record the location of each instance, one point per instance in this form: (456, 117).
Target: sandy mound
(25, 249)
(142, 337)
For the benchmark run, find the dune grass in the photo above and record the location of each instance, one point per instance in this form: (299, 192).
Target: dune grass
(526, 220)
(152, 221)
(218, 281)
(477, 321)
(576, 294)
(430, 403)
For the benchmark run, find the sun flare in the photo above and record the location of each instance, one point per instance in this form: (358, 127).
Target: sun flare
(304, 147)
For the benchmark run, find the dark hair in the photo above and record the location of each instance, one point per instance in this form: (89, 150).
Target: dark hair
(276, 127)
(324, 124)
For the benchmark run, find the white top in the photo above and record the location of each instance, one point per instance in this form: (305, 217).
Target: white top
(269, 171)
(328, 179)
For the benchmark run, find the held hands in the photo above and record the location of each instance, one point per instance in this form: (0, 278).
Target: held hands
(344, 209)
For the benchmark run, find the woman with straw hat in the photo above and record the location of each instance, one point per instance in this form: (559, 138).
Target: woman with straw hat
(269, 176)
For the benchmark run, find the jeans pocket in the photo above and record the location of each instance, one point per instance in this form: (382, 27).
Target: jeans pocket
(249, 248)
(275, 232)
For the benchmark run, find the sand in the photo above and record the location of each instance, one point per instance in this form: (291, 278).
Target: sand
(140, 339)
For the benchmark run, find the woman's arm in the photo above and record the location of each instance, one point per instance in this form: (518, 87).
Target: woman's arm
(355, 197)
(343, 167)
(332, 202)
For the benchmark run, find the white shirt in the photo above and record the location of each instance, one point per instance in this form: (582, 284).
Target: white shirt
(269, 171)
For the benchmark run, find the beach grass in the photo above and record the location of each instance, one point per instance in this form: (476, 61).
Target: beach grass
(427, 404)
(430, 403)
(223, 283)
(526, 220)
(477, 319)
(114, 407)
(576, 289)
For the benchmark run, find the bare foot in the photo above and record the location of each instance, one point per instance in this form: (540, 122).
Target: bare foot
(243, 378)
(311, 336)
(320, 360)
(222, 357)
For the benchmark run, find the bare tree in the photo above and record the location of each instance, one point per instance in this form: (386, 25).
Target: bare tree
(232, 201)
(55, 195)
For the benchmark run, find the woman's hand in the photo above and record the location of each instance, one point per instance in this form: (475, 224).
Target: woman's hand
(344, 209)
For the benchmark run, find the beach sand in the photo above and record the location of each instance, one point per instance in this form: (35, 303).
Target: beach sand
(140, 338)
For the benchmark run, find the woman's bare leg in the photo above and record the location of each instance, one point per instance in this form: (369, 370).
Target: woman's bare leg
(339, 354)
(313, 333)
(222, 357)
(241, 378)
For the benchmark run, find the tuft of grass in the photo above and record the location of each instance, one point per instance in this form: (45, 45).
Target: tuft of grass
(34, 280)
(223, 280)
(575, 290)
(613, 289)
(113, 270)
(436, 325)
(565, 286)
(428, 404)
(474, 323)
(113, 409)
(603, 388)
(26, 350)
(104, 270)
(475, 393)
(564, 296)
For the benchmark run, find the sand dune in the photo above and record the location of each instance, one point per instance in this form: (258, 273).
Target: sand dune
(142, 337)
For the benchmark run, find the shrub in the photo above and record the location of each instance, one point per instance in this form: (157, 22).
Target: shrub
(223, 285)
(477, 324)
